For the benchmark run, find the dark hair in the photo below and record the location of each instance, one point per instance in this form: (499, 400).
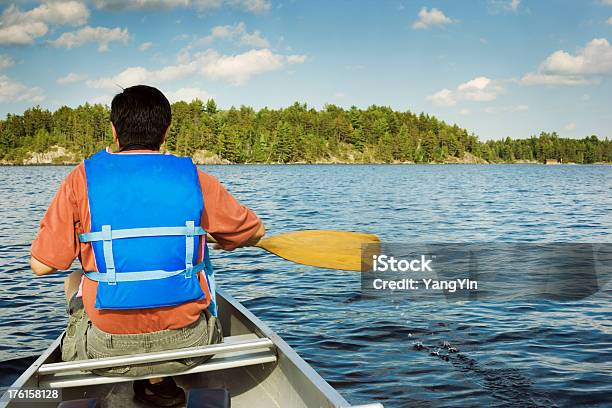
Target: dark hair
(141, 115)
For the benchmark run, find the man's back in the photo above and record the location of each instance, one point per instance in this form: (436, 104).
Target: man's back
(68, 215)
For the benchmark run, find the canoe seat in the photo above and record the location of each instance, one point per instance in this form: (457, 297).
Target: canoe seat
(235, 351)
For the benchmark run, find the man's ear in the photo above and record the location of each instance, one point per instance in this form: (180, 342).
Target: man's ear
(115, 137)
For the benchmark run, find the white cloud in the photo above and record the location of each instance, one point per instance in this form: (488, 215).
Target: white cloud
(584, 67)
(225, 32)
(238, 69)
(296, 59)
(139, 75)
(102, 35)
(252, 6)
(6, 61)
(594, 59)
(139, 4)
(188, 95)
(464, 112)
(73, 13)
(501, 6)
(609, 21)
(70, 78)
(23, 27)
(101, 99)
(443, 97)
(480, 89)
(238, 33)
(489, 109)
(233, 69)
(145, 46)
(531, 78)
(254, 40)
(339, 95)
(431, 18)
(22, 34)
(13, 91)
(570, 126)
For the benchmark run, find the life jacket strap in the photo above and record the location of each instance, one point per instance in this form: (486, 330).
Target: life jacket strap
(107, 235)
(109, 260)
(189, 244)
(142, 232)
(145, 275)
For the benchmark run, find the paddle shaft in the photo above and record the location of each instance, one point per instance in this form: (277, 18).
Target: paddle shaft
(321, 248)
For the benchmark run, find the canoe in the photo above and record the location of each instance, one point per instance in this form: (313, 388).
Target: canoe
(256, 366)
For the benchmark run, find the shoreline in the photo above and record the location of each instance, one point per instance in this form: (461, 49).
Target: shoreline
(5, 164)
(60, 156)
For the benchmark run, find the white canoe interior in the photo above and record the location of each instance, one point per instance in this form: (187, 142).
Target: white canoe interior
(257, 367)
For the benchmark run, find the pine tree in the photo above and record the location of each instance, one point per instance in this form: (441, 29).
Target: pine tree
(285, 143)
(211, 107)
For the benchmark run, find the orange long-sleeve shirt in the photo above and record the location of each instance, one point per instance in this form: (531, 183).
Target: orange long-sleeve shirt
(57, 246)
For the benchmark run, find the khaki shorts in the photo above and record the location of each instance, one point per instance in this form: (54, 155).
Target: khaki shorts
(82, 340)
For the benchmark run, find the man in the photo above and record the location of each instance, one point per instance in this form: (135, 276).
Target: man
(137, 220)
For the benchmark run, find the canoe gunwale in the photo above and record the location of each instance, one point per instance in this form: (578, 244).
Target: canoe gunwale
(284, 349)
(32, 371)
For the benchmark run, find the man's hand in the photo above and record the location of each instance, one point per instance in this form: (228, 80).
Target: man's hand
(40, 268)
(261, 231)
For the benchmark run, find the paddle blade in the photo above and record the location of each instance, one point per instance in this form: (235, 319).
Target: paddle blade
(320, 248)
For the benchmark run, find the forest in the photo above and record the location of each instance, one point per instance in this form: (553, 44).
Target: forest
(296, 134)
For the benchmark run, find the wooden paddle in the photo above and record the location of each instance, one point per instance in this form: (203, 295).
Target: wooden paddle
(320, 248)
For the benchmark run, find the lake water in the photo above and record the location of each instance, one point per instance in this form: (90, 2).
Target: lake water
(511, 353)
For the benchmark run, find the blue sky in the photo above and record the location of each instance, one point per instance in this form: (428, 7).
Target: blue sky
(496, 67)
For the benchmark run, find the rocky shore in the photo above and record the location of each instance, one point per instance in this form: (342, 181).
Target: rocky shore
(58, 155)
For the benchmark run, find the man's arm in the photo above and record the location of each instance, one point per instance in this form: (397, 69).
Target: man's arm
(40, 268)
(56, 246)
(229, 223)
(261, 231)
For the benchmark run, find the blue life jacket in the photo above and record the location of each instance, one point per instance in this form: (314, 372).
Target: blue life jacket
(145, 213)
